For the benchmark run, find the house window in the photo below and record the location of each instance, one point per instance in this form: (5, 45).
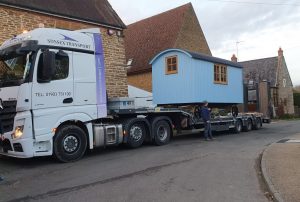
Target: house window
(172, 65)
(220, 74)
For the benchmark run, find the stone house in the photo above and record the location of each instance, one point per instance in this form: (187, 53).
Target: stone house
(16, 16)
(275, 72)
(176, 28)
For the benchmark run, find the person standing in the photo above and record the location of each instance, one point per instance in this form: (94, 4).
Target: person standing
(205, 115)
(234, 110)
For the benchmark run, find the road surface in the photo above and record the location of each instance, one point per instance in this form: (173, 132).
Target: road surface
(188, 169)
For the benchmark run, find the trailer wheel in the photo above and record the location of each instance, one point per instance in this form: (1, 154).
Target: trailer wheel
(258, 124)
(70, 143)
(162, 133)
(255, 124)
(248, 126)
(136, 132)
(238, 126)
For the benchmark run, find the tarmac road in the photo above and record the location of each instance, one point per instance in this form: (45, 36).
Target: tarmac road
(188, 169)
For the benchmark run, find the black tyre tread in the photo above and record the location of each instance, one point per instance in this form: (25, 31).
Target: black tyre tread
(157, 141)
(259, 123)
(127, 125)
(255, 125)
(58, 151)
(246, 129)
(235, 130)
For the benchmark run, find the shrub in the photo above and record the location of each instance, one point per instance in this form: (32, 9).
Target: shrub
(297, 99)
(289, 116)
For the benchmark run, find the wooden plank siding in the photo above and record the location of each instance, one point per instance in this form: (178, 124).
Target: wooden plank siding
(194, 81)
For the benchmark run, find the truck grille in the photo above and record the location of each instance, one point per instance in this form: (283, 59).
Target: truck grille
(5, 146)
(7, 116)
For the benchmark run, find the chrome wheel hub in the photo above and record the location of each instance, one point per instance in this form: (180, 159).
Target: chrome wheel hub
(70, 144)
(162, 133)
(136, 133)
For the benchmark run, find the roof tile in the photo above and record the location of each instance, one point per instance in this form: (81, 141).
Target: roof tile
(261, 69)
(95, 11)
(146, 38)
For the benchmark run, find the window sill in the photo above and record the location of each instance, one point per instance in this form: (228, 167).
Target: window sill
(221, 83)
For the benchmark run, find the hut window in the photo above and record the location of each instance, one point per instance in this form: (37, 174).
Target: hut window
(220, 74)
(172, 65)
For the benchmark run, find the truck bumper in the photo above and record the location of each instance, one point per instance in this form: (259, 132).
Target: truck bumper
(18, 149)
(25, 148)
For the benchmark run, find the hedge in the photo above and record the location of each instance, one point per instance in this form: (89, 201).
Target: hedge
(297, 99)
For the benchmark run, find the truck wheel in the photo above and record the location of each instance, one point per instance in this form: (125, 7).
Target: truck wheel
(70, 143)
(238, 126)
(136, 132)
(248, 126)
(162, 133)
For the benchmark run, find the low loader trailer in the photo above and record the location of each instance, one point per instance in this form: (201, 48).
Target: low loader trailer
(53, 101)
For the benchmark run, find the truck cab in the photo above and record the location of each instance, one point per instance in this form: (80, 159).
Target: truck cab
(47, 78)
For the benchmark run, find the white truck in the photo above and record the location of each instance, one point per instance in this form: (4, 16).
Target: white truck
(53, 101)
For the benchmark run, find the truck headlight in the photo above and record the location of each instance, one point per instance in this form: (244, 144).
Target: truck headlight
(18, 132)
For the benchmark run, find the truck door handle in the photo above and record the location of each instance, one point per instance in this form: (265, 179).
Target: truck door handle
(68, 100)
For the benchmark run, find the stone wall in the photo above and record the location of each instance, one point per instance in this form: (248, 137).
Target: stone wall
(14, 21)
(285, 87)
(141, 80)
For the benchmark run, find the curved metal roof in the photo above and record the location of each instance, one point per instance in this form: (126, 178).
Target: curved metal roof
(199, 56)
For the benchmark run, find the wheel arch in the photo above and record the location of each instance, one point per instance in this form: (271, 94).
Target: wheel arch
(81, 120)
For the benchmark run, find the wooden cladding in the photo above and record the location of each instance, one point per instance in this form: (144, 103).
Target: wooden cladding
(171, 65)
(220, 74)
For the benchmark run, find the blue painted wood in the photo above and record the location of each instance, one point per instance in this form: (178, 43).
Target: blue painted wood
(194, 82)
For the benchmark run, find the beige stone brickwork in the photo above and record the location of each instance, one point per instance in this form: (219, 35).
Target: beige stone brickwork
(142, 80)
(191, 36)
(14, 21)
(285, 87)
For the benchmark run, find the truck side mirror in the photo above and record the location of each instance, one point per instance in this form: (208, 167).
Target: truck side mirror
(47, 67)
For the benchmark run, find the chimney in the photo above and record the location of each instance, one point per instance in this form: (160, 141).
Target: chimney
(279, 65)
(234, 58)
(280, 52)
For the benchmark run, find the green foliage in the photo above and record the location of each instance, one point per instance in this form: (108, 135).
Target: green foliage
(296, 89)
(289, 117)
(297, 99)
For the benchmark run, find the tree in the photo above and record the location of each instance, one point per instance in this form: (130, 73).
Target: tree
(297, 89)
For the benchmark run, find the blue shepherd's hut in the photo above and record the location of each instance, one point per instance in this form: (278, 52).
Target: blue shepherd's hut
(184, 77)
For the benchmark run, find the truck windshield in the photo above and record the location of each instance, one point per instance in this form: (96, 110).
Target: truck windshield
(14, 69)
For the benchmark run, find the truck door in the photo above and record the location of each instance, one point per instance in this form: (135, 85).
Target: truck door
(58, 92)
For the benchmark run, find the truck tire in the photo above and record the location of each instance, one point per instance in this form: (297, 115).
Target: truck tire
(238, 126)
(70, 143)
(255, 124)
(162, 133)
(136, 132)
(248, 126)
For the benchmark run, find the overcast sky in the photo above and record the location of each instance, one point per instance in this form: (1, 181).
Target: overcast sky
(260, 26)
